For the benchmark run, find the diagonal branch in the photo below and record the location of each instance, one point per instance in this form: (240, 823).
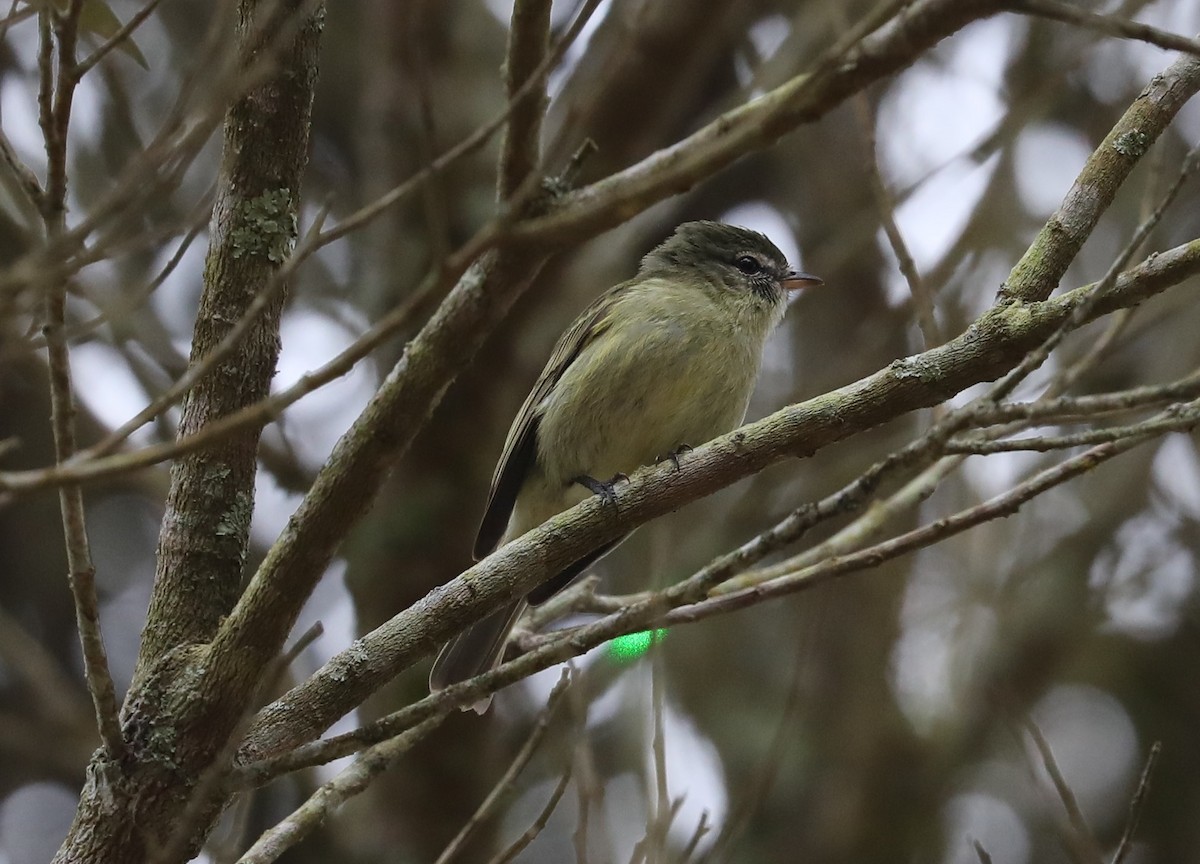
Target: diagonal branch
(755, 125)
(991, 346)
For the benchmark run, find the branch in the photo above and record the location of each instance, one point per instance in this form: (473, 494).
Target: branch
(539, 823)
(89, 465)
(1068, 408)
(505, 783)
(333, 794)
(1187, 417)
(115, 41)
(1135, 806)
(1082, 841)
(528, 38)
(55, 97)
(1111, 25)
(1045, 262)
(178, 726)
(202, 546)
(994, 343)
(1002, 505)
(756, 125)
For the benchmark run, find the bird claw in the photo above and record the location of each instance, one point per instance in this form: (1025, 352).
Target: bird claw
(674, 455)
(603, 488)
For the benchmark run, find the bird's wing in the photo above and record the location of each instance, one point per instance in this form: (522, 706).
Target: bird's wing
(520, 448)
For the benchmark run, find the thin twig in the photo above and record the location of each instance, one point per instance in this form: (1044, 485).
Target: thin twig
(1111, 25)
(26, 180)
(1061, 409)
(886, 206)
(589, 789)
(505, 784)
(1004, 504)
(114, 41)
(1084, 839)
(981, 853)
(660, 813)
(702, 828)
(54, 99)
(1186, 417)
(1136, 805)
(350, 782)
(540, 823)
(56, 695)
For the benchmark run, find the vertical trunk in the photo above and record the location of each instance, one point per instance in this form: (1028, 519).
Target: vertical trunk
(176, 719)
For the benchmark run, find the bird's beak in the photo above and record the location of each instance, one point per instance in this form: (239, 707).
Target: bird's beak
(794, 281)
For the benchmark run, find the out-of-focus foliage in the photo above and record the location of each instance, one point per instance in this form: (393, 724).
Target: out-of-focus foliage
(877, 718)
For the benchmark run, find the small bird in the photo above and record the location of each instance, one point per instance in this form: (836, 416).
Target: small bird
(652, 366)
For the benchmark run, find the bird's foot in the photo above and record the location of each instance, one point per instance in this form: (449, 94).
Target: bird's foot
(603, 488)
(674, 455)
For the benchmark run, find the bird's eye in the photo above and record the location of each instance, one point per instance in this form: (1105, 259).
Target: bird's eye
(748, 264)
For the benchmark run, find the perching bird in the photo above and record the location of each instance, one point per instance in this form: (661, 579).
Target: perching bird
(656, 364)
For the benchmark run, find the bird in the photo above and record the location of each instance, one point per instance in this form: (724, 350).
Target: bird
(655, 365)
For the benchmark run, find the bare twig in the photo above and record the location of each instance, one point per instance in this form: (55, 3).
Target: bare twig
(981, 853)
(115, 41)
(702, 829)
(333, 794)
(1136, 805)
(1083, 839)
(505, 784)
(886, 205)
(55, 95)
(1111, 25)
(589, 788)
(528, 40)
(1002, 505)
(535, 829)
(27, 181)
(659, 820)
(1179, 418)
(990, 345)
(1062, 409)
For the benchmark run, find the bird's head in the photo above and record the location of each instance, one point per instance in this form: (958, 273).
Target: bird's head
(733, 258)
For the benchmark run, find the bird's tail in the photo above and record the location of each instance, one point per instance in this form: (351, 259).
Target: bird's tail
(476, 650)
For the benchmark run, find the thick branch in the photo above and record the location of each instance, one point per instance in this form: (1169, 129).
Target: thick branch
(528, 39)
(995, 343)
(1042, 266)
(175, 727)
(205, 530)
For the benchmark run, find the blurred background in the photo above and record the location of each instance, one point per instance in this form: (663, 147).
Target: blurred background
(877, 718)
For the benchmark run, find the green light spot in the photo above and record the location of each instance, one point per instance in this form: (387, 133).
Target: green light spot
(626, 649)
